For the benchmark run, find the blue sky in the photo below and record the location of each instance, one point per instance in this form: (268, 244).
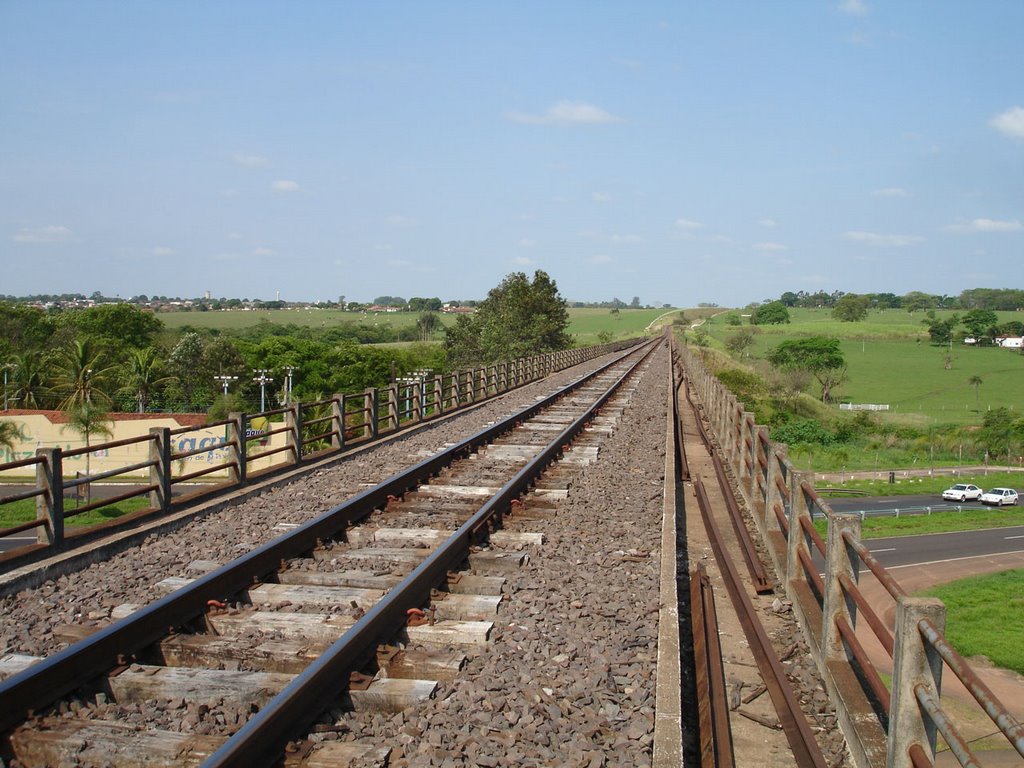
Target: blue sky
(680, 152)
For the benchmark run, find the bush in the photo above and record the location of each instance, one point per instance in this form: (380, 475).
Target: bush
(805, 431)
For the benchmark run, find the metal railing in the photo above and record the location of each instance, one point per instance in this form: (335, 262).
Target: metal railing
(883, 726)
(292, 435)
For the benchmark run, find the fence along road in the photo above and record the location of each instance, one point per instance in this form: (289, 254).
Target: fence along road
(883, 728)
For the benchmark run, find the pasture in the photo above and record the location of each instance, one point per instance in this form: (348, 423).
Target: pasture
(586, 324)
(890, 360)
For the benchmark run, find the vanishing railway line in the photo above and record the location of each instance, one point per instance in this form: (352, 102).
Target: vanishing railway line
(390, 567)
(588, 580)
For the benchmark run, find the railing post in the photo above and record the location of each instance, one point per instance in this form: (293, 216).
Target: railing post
(293, 420)
(394, 418)
(840, 559)
(50, 505)
(237, 434)
(456, 396)
(372, 426)
(772, 494)
(915, 662)
(796, 539)
(439, 394)
(160, 472)
(338, 422)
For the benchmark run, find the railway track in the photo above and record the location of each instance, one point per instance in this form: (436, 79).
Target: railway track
(366, 607)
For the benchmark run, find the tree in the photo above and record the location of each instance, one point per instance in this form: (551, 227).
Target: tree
(88, 419)
(142, 376)
(818, 355)
(427, 323)
(976, 382)
(980, 323)
(772, 313)
(635, 303)
(940, 331)
(519, 317)
(851, 308)
(82, 375)
(29, 379)
(741, 341)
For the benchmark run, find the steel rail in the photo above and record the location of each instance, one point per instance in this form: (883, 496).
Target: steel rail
(46, 681)
(267, 733)
(715, 737)
(806, 751)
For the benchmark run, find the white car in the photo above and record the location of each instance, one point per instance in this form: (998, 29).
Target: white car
(1000, 497)
(962, 492)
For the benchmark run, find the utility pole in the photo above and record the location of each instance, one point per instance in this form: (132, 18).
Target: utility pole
(225, 380)
(288, 384)
(262, 379)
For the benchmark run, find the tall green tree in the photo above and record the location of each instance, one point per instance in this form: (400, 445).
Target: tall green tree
(427, 324)
(851, 308)
(28, 378)
(83, 375)
(142, 376)
(88, 420)
(772, 313)
(818, 355)
(976, 382)
(519, 317)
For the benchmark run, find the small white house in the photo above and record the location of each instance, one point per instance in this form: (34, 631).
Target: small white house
(1010, 342)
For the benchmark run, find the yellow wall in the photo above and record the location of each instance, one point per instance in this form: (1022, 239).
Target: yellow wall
(40, 432)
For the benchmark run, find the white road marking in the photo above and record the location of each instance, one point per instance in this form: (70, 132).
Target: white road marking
(1013, 537)
(890, 549)
(954, 559)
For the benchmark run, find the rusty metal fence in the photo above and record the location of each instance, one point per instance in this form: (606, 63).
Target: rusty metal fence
(312, 431)
(891, 726)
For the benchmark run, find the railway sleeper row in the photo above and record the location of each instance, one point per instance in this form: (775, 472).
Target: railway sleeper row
(248, 647)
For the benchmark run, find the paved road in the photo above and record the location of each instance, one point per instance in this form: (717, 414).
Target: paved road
(899, 551)
(886, 505)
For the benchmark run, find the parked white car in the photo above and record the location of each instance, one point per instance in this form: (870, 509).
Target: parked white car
(1000, 497)
(962, 492)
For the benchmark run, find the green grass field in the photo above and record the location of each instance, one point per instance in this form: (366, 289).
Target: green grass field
(984, 617)
(970, 519)
(890, 361)
(586, 324)
(22, 511)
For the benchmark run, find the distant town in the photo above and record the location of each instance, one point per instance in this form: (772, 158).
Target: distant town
(207, 303)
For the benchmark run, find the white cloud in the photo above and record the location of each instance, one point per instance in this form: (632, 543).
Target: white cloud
(400, 222)
(399, 263)
(527, 243)
(854, 7)
(627, 239)
(766, 222)
(522, 261)
(1010, 123)
(687, 225)
(284, 185)
(601, 197)
(986, 225)
(250, 161)
(264, 252)
(721, 239)
(52, 234)
(776, 247)
(163, 251)
(566, 113)
(382, 246)
(891, 192)
(234, 235)
(227, 256)
(601, 258)
(876, 240)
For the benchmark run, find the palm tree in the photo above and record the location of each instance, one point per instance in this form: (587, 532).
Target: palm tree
(82, 374)
(142, 376)
(975, 381)
(88, 419)
(427, 324)
(29, 379)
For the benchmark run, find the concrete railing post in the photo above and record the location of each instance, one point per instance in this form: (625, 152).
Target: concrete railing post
(293, 421)
(773, 495)
(338, 422)
(840, 559)
(915, 663)
(50, 505)
(160, 472)
(796, 540)
(237, 435)
(438, 395)
(372, 425)
(394, 418)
